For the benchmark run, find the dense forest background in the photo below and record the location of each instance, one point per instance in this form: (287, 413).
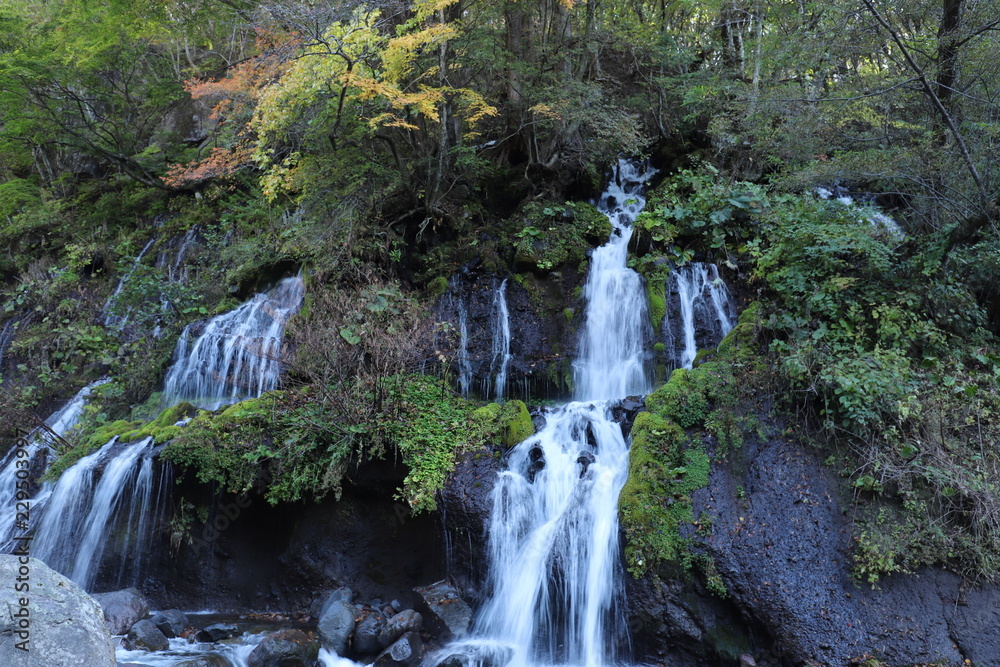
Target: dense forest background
(385, 145)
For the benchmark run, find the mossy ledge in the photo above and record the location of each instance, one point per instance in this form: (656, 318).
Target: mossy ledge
(668, 461)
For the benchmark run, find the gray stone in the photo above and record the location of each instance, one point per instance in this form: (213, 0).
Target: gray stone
(65, 626)
(218, 632)
(171, 622)
(335, 626)
(285, 648)
(320, 604)
(144, 636)
(403, 622)
(122, 609)
(210, 660)
(408, 650)
(447, 615)
(367, 633)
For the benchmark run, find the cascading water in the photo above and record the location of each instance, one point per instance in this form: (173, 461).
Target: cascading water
(501, 355)
(612, 355)
(115, 320)
(80, 516)
(453, 301)
(34, 460)
(238, 355)
(555, 575)
(699, 312)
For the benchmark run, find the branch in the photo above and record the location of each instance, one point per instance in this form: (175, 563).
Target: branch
(929, 91)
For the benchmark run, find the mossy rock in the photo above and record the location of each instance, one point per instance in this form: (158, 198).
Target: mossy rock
(656, 297)
(682, 399)
(518, 426)
(438, 286)
(546, 236)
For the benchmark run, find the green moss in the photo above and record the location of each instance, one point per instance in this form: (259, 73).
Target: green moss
(657, 299)
(517, 423)
(546, 236)
(568, 313)
(667, 464)
(659, 348)
(438, 286)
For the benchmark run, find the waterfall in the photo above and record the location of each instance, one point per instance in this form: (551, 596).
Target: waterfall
(238, 355)
(501, 355)
(612, 355)
(555, 578)
(119, 321)
(34, 460)
(81, 518)
(699, 312)
(453, 301)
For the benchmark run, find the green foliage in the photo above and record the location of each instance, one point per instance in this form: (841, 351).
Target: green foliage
(547, 237)
(294, 446)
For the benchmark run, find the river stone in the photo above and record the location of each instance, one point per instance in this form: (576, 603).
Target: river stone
(320, 604)
(407, 650)
(218, 632)
(403, 622)
(66, 628)
(146, 637)
(210, 660)
(448, 615)
(171, 622)
(122, 609)
(335, 626)
(367, 634)
(285, 648)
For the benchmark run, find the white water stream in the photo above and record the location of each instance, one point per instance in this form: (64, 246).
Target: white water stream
(699, 313)
(555, 573)
(238, 355)
(501, 343)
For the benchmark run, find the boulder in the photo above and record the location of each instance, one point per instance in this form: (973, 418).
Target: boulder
(403, 622)
(144, 636)
(285, 648)
(447, 615)
(122, 609)
(320, 604)
(335, 626)
(62, 625)
(218, 632)
(367, 634)
(408, 650)
(170, 622)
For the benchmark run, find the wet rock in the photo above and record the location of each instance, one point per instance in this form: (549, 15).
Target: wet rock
(746, 660)
(335, 626)
(144, 636)
(408, 650)
(466, 502)
(67, 627)
(122, 609)
(171, 622)
(205, 661)
(535, 468)
(787, 563)
(367, 633)
(217, 632)
(320, 604)
(446, 614)
(585, 459)
(285, 648)
(405, 621)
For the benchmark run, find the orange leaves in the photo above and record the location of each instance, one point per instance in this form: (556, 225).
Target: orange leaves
(221, 163)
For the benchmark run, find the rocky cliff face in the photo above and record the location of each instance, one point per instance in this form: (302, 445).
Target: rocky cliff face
(780, 538)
